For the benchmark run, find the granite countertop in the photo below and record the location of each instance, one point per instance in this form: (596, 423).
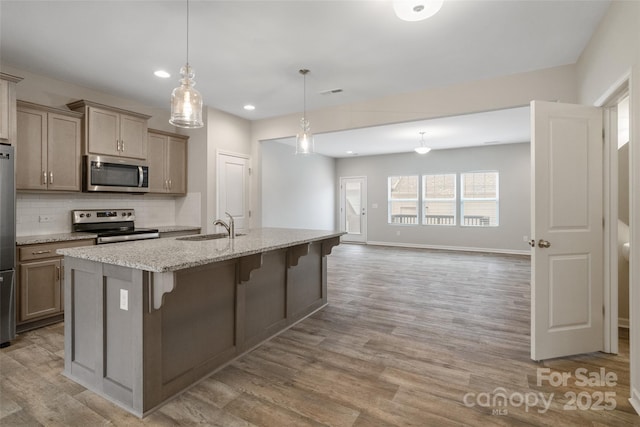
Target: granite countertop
(66, 237)
(172, 254)
(52, 238)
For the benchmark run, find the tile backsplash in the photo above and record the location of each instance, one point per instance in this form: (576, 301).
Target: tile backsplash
(34, 209)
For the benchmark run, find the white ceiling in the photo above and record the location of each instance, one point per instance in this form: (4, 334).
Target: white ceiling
(250, 51)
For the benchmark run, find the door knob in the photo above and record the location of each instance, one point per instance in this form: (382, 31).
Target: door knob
(532, 243)
(544, 243)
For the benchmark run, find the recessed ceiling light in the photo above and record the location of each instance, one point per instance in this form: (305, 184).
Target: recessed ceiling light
(162, 74)
(249, 107)
(349, 152)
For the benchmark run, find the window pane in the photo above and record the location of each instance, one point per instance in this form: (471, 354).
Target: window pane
(403, 199)
(353, 200)
(439, 199)
(480, 185)
(480, 201)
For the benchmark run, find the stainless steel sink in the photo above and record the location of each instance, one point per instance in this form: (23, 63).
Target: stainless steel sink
(201, 237)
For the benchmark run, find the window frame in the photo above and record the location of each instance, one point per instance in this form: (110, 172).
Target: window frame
(495, 199)
(390, 201)
(424, 200)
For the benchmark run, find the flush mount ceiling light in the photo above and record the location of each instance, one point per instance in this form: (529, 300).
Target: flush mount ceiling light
(304, 139)
(422, 149)
(416, 10)
(186, 102)
(162, 74)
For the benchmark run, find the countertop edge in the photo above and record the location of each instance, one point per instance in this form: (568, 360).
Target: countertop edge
(130, 256)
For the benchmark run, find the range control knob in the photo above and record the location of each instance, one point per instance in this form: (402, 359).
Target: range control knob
(88, 215)
(81, 215)
(124, 214)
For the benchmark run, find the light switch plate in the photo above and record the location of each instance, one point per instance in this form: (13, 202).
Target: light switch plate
(124, 299)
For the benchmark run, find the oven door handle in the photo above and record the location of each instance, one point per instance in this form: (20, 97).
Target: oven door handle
(127, 238)
(140, 176)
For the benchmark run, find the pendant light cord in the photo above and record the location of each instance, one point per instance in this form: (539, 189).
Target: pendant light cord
(187, 35)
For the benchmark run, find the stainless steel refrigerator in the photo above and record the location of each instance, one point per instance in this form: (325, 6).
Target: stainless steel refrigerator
(7, 246)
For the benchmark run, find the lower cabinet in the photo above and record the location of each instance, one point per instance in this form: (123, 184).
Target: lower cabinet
(40, 298)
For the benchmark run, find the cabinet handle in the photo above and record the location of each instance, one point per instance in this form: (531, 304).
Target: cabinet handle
(169, 184)
(48, 251)
(44, 177)
(117, 145)
(58, 273)
(122, 144)
(50, 177)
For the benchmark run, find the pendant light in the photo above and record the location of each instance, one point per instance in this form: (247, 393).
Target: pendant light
(422, 149)
(186, 102)
(304, 139)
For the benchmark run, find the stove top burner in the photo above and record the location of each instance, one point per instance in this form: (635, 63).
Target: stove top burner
(116, 225)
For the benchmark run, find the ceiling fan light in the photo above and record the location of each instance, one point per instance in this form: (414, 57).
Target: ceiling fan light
(416, 10)
(422, 150)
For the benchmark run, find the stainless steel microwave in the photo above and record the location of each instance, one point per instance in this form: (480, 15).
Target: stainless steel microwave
(115, 174)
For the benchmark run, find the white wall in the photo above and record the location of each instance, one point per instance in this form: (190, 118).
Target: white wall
(298, 191)
(511, 161)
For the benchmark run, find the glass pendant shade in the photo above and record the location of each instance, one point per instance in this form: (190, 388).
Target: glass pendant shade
(304, 139)
(186, 102)
(416, 10)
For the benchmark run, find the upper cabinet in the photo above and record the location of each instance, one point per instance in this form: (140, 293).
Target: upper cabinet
(112, 131)
(167, 162)
(48, 153)
(8, 108)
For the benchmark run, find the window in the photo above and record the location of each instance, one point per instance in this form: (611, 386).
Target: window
(439, 199)
(403, 199)
(479, 199)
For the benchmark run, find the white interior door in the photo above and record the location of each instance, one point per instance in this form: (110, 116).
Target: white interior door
(233, 189)
(353, 209)
(567, 279)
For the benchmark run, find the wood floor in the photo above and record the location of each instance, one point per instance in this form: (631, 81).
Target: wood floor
(410, 338)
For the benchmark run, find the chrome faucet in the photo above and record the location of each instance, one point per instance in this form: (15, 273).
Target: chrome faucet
(230, 227)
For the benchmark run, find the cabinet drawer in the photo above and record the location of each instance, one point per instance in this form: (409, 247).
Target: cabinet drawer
(48, 250)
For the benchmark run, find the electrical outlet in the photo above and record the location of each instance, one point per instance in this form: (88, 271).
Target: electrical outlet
(525, 238)
(44, 218)
(374, 206)
(124, 299)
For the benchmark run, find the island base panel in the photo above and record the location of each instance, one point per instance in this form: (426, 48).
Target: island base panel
(121, 345)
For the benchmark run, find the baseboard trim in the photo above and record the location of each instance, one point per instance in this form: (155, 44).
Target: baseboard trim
(452, 248)
(635, 400)
(623, 323)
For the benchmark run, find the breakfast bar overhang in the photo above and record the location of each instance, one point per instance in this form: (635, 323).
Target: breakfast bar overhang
(146, 320)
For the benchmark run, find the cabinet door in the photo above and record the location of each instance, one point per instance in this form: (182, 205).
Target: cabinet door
(177, 165)
(63, 152)
(40, 290)
(31, 150)
(133, 137)
(157, 160)
(5, 104)
(103, 132)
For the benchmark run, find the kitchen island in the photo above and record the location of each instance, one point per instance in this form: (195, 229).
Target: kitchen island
(146, 320)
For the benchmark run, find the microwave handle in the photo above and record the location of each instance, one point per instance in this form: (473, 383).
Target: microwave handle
(140, 176)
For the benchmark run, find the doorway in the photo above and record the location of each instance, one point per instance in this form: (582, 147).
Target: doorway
(353, 209)
(233, 188)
